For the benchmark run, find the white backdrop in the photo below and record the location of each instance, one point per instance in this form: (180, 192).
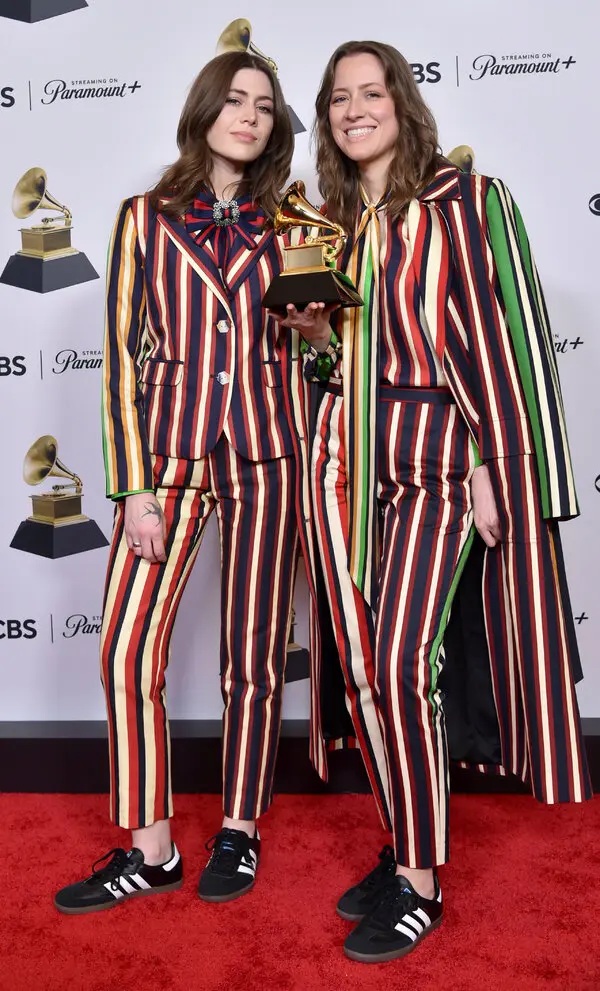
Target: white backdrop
(535, 129)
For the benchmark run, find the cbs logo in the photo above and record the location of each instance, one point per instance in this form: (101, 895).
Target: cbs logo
(594, 204)
(12, 366)
(7, 97)
(429, 73)
(17, 629)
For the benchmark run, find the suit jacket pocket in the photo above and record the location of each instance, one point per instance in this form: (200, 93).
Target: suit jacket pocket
(157, 371)
(272, 374)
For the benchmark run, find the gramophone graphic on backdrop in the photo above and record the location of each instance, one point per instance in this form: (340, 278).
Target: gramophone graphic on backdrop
(237, 38)
(38, 10)
(57, 527)
(46, 260)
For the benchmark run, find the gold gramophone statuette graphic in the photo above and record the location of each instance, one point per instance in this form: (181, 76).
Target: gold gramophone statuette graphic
(237, 37)
(46, 261)
(463, 157)
(57, 527)
(308, 277)
(38, 10)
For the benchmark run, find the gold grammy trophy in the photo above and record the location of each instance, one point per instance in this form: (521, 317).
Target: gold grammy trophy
(46, 261)
(57, 527)
(308, 277)
(38, 10)
(237, 38)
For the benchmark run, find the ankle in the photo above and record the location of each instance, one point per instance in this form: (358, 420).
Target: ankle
(155, 842)
(247, 826)
(155, 854)
(421, 879)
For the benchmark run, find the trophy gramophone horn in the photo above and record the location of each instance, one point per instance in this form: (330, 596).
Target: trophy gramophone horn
(31, 194)
(463, 157)
(236, 38)
(41, 461)
(295, 210)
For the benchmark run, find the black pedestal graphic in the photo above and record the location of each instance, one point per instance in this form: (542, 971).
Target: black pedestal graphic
(38, 10)
(47, 274)
(58, 541)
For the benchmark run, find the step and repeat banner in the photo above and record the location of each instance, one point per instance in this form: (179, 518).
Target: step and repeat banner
(90, 96)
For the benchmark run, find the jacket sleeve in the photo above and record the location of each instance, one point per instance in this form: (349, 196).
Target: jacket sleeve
(518, 285)
(126, 453)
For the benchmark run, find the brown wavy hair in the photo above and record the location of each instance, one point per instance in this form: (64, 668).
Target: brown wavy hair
(263, 179)
(417, 152)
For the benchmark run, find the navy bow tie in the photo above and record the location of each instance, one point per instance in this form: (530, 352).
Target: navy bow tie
(224, 221)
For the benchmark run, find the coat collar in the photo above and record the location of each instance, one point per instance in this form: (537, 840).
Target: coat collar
(445, 185)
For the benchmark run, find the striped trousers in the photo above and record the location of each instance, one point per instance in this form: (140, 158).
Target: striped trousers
(391, 657)
(254, 503)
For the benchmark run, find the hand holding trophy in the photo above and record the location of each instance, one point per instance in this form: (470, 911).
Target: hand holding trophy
(308, 275)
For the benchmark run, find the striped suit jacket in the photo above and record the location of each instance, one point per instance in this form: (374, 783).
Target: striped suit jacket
(186, 359)
(482, 301)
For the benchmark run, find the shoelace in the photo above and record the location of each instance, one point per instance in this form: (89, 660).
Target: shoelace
(112, 870)
(394, 903)
(228, 847)
(386, 859)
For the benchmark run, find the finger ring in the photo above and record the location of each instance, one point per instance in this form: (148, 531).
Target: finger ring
(136, 544)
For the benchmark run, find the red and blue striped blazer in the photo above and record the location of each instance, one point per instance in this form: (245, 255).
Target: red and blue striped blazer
(186, 359)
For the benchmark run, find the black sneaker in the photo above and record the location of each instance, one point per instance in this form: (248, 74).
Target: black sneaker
(231, 870)
(362, 898)
(401, 919)
(125, 876)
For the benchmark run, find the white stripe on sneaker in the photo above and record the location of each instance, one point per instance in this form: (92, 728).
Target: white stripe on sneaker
(245, 869)
(116, 893)
(127, 887)
(412, 935)
(409, 920)
(139, 880)
(173, 861)
(423, 916)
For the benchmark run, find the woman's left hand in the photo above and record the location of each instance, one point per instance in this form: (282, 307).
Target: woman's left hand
(485, 511)
(312, 322)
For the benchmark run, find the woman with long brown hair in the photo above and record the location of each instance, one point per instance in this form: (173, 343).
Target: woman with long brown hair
(441, 415)
(194, 421)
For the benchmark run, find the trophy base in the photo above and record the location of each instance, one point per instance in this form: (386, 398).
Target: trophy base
(297, 664)
(301, 288)
(58, 541)
(47, 274)
(38, 10)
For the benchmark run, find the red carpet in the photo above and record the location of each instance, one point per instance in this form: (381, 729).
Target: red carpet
(522, 895)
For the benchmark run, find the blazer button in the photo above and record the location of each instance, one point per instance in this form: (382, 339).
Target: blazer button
(222, 378)
(223, 326)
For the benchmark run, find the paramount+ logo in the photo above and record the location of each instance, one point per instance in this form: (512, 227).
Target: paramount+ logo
(18, 629)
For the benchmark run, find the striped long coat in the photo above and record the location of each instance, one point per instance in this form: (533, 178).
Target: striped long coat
(482, 301)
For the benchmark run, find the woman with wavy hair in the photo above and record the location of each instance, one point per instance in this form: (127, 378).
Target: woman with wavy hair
(194, 421)
(440, 417)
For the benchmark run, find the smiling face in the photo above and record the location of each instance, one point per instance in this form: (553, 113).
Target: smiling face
(243, 128)
(362, 114)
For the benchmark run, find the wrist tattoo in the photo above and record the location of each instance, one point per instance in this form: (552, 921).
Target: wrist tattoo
(153, 509)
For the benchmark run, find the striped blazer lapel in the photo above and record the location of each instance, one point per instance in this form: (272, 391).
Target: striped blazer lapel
(245, 261)
(198, 257)
(431, 246)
